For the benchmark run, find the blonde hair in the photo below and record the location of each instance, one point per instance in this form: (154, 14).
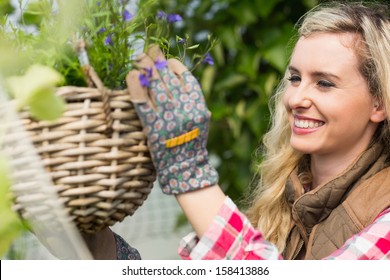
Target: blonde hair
(269, 210)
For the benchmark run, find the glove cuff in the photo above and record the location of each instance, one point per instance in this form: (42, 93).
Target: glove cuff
(189, 175)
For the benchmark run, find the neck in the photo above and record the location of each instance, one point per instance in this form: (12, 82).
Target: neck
(324, 168)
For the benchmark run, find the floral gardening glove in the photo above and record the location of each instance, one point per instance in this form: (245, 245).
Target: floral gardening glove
(169, 102)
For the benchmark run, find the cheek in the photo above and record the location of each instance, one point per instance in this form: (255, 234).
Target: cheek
(358, 113)
(348, 114)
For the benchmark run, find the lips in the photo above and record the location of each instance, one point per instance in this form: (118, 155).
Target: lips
(305, 125)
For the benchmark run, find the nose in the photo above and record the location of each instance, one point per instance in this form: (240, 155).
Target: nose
(298, 97)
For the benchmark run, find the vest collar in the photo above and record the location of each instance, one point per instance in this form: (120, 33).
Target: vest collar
(314, 206)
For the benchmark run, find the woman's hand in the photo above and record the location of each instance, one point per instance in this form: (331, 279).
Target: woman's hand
(175, 117)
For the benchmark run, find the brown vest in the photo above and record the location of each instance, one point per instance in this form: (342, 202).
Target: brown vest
(325, 217)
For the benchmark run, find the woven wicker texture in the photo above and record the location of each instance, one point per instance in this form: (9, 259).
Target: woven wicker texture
(97, 155)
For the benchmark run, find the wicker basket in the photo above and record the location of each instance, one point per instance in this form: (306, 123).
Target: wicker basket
(96, 154)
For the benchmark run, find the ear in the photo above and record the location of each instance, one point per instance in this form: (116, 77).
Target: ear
(378, 112)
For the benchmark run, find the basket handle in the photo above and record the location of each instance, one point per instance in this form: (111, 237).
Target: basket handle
(93, 80)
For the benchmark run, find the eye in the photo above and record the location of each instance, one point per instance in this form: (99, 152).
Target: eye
(325, 84)
(294, 79)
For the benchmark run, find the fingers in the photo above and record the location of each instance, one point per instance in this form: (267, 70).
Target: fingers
(146, 63)
(171, 81)
(178, 69)
(168, 70)
(138, 93)
(138, 80)
(155, 53)
(156, 80)
(176, 66)
(189, 83)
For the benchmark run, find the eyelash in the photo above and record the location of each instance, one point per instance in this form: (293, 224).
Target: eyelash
(322, 83)
(294, 78)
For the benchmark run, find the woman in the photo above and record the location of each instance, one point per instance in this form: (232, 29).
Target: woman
(324, 191)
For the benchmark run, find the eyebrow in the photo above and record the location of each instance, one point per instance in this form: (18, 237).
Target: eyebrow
(315, 73)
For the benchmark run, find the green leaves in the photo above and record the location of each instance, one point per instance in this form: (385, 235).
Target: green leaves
(10, 224)
(6, 7)
(33, 13)
(35, 89)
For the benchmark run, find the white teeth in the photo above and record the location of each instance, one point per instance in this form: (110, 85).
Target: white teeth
(307, 123)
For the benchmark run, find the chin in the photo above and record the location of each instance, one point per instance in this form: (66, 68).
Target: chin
(303, 148)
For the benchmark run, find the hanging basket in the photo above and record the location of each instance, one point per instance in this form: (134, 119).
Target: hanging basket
(96, 154)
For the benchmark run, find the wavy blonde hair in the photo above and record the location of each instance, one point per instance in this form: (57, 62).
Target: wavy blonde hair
(268, 209)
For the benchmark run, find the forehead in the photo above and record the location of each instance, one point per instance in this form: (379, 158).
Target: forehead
(329, 50)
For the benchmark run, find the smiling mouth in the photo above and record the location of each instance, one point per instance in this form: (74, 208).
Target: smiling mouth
(307, 123)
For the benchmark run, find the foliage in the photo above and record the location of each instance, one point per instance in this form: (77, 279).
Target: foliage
(6, 8)
(42, 40)
(35, 91)
(114, 32)
(10, 226)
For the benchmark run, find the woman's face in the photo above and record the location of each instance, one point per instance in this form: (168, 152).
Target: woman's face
(330, 109)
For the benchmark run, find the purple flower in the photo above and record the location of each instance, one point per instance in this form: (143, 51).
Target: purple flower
(172, 18)
(144, 78)
(181, 41)
(102, 30)
(108, 40)
(144, 81)
(208, 59)
(160, 64)
(98, 3)
(161, 15)
(149, 71)
(127, 16)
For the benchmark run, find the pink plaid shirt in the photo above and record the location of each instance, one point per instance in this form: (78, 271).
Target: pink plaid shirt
(231, 236)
